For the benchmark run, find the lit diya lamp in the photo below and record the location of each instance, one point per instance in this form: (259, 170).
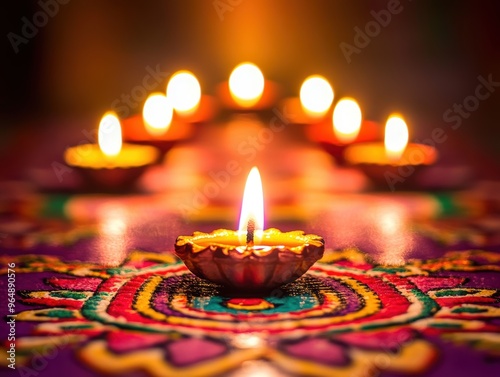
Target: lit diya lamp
(156, 126)
(315, 99)
(188, 102)
(346, 126)
(110, 164)
(251, 258)
(395, 162)
(247, 89)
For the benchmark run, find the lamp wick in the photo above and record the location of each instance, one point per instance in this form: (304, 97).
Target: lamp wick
(250, 232)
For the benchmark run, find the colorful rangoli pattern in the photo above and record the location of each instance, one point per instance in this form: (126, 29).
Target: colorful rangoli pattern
(345, 317)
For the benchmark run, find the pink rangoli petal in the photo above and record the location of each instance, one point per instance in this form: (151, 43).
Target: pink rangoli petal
(125, 341)
(320, 350)
(193, 350)
(75, 284)
(389, 340)
(426, 283)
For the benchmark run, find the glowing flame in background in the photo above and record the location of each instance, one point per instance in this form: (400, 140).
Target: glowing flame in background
(246, 84)
(184, 90)
(396, 137)
(157, 113)
(109, 135)
(347, 120)
(316, 96)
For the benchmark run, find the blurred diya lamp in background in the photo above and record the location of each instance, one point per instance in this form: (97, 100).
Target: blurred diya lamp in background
(157, 125)
(247, 89)
(395, 163)
(314, 101)
(110, 165)
(346, 126)
(250, 259)
(187, 100)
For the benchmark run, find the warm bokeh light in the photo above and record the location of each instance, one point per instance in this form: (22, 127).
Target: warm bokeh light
(396, 137)
(157, 113)
(252, 207)
(391, 233)
(113, 220)
(347, 120)
(184, 91)
(245, 341)
(246, 84)
(109, 135)
(316, 96)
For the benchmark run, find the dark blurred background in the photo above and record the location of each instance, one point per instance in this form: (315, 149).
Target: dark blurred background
(88, 53)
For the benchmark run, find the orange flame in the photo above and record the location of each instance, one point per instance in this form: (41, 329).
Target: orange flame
(109, 135)
(396, 137)
(246, 84)
(347, 120)
(252, 208)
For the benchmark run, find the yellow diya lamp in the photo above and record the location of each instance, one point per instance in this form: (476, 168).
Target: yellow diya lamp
(110, 165)
(250, 259)
(157, 124)
(346, 126)
(247, 89)
(394, 163)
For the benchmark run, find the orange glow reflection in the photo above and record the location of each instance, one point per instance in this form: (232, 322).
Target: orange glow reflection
(248, 341)
(347, 120)
(258, 368)
(113, 221)
(396, 137)
(252, 207)
(109, 135)
(394, 237)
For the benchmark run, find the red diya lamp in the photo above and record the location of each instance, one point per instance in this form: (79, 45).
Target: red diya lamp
(188, 102)
(247, 89)
(157, 125)
(315, 99)
(110, 165)
(250, 259)
(346, 126)
(395, 162)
